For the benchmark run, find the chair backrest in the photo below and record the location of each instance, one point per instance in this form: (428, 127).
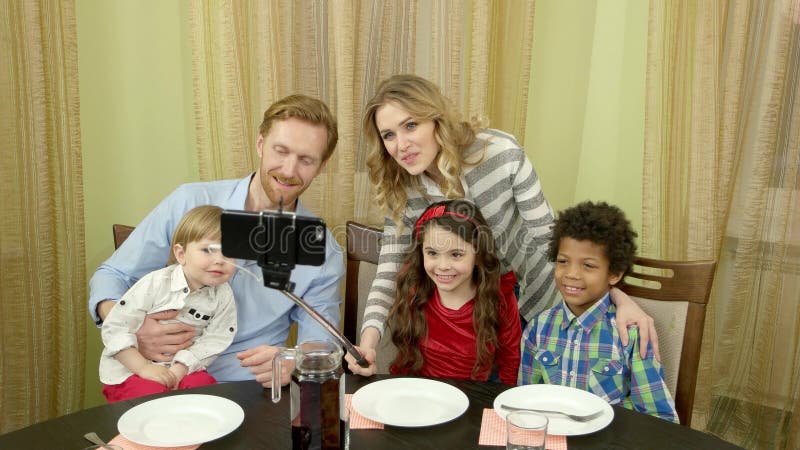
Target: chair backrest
(363, 248)
(121, 232)
(675, 295)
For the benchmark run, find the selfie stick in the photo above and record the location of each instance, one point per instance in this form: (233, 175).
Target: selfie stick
(276, 276)
(331, 329)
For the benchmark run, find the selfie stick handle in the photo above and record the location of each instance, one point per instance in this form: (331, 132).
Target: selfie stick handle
(331, 329)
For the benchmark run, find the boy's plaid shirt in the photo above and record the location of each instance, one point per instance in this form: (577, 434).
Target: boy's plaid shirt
(586, 353)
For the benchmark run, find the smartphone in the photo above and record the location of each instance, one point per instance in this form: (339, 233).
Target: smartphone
(279, 237)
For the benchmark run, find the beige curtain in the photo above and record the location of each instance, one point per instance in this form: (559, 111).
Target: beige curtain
(721, 181)
(248, 54)
(42, 266)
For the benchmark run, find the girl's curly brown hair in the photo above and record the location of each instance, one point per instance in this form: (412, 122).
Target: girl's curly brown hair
(414, 289)
(602, 224)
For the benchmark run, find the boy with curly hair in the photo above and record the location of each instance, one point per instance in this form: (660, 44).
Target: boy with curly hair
(576, 343)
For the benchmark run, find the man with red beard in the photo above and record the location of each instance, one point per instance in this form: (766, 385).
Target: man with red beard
(296, 137)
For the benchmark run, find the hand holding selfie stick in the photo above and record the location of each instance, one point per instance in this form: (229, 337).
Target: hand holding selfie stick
(273, 241)
(328, 326)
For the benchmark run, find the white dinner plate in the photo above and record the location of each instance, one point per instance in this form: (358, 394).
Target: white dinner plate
(410, 402)
(558, 398)
(178, 420)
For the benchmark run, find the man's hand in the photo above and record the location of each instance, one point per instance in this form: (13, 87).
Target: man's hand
(160, 341)
(370, 355)
(259, 360)
(159, 374)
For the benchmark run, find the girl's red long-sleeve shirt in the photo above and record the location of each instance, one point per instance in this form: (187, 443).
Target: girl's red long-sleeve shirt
(449, 349)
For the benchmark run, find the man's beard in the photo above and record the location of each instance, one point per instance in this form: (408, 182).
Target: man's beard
(276, 197)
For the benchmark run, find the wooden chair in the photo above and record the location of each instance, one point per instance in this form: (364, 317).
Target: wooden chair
(121, 232)
(363, 248)
(675, 295)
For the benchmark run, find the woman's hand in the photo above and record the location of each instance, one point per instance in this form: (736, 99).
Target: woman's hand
(369, 355)
(370, 338)
(629, 313)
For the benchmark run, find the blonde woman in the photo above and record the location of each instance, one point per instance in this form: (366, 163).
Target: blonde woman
(422, 152)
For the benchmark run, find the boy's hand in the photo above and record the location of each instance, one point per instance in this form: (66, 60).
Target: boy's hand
(159, 374)
(179, 371)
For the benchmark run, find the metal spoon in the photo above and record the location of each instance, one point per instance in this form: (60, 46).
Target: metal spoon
(329, 327)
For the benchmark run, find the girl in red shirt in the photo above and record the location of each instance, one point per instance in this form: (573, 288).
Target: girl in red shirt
(455, 315)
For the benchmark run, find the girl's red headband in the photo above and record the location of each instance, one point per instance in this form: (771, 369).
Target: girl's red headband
(438, 211)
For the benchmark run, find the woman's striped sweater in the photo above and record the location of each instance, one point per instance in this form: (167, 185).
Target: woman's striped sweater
(506, 189)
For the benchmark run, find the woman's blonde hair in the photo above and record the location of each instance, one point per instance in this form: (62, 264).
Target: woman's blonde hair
(423, 100)
(199, 223)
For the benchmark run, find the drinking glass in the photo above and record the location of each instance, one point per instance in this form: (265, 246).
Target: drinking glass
(525, 430)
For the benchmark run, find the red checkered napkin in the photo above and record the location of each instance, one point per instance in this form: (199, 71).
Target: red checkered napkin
(493, 432)
(359, 422)
(128, 445)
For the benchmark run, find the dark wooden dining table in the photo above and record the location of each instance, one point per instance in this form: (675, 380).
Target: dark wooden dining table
(266, 425)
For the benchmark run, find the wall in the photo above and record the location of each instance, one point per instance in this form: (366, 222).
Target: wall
(585, 125)
(136, 122)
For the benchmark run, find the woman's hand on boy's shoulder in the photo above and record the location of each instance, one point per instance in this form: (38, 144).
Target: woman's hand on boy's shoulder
(629, 313)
